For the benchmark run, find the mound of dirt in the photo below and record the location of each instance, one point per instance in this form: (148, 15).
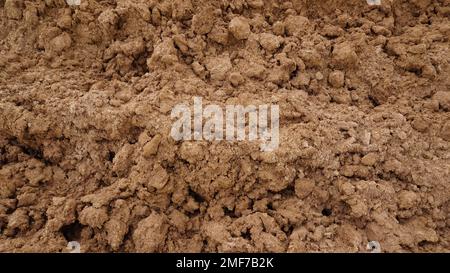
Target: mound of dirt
(86, 155)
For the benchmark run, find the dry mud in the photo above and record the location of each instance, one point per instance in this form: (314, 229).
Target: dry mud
(86, 155)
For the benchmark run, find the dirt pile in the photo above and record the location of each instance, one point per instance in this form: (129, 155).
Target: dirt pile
(86, 153)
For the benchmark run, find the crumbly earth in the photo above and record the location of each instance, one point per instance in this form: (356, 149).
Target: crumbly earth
(86, 153)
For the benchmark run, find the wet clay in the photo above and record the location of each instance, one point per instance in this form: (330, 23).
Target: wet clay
(86, 153)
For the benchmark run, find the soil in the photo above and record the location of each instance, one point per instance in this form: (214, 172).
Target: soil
(86, 153)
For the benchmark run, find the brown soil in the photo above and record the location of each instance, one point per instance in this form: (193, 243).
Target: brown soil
(85, 100)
